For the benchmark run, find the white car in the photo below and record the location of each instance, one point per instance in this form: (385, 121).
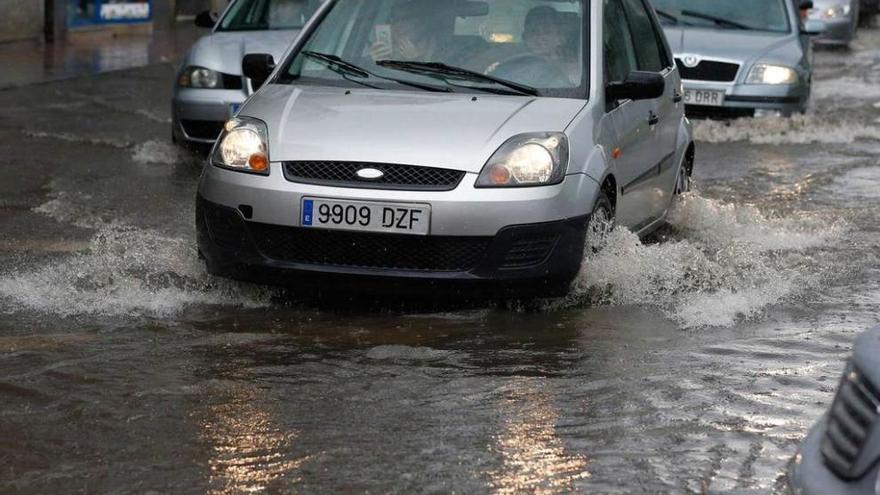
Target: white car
(210, 87)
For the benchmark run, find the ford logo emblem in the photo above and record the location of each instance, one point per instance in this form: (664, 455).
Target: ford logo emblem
(691, 61)
(370, 174)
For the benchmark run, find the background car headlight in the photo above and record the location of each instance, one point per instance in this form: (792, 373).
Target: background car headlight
(771, 74)
(538, 159)
(200, 77)
(832, 12)
(243, 146)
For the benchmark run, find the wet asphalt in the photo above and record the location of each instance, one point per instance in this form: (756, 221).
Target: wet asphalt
(690, 362)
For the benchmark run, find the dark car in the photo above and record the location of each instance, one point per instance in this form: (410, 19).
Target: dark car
(868, 9)
(841, 454)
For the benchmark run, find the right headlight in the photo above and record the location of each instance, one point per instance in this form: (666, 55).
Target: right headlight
(243, 146)
(771, 74)
(536, 159)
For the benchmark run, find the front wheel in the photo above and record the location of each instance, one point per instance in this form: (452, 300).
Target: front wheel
(601, 223)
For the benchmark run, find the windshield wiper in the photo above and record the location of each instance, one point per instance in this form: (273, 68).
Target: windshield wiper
(717, 20)
(348, 69)
(441, 69)
(669, 17)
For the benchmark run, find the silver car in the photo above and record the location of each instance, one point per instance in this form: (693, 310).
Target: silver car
(841, 20)
(209, 87)
(457, 141)
(741, 57)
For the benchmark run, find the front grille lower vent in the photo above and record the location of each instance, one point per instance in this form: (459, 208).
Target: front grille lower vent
(394, 176)
(368, 250)
(854, 413)
(529, 251)
(709, 70)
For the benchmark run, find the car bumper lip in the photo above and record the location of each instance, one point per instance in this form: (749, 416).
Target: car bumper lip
(247, 250)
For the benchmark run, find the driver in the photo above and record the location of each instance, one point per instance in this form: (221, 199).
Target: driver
(542, 32)
(413, 34)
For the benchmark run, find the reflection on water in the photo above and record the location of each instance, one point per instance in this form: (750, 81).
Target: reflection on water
(250, 450)
(534, 459)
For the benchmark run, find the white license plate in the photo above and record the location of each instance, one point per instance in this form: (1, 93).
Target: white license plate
(703, 97)
(365, 216)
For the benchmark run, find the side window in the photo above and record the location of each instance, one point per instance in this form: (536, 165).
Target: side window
(648, 47)
(620, 54)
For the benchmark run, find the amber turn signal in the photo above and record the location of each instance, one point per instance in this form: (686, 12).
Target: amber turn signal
(499, 175)
(258, 162)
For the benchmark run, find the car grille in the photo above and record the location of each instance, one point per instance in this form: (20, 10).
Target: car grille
(529, 251)
(853, 414)
(202, 129)
(709, 70)
(367, 250)
(395, 176)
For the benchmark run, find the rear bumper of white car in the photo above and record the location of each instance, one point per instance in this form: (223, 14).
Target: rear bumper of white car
(198, 115)
(744, 100)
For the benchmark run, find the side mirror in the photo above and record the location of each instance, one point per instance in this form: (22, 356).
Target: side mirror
(814, 27)
(257, 67)
(206, 19)
(638, 85)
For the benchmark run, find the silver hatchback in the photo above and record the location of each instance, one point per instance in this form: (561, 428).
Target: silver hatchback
(459, 141)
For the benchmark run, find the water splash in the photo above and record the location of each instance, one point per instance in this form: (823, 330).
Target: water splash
(797, 129)
(159, 152)
(729, 263)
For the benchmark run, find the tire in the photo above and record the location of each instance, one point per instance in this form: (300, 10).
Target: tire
(601, 223)
(683, 181)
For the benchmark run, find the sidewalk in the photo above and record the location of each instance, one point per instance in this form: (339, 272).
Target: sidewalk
(30, 62)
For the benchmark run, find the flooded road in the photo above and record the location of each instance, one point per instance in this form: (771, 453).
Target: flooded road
(693, 362)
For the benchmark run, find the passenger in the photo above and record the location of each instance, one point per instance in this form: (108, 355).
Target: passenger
(414, 33)
(286, 14)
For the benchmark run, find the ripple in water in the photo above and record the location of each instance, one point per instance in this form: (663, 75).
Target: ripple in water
(729, 263)
(797, 129)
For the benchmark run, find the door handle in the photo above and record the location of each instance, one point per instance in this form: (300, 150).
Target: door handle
(653, 119)
(676, 97)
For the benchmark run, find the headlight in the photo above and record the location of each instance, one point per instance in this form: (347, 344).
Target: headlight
(538, 159)
(200, 77)
(243, 146)
(832, 12)
(771, 74)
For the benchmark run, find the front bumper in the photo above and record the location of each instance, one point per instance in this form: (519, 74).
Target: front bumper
(839, 31)
(808, 474)
(743, 100)
(198, 115)
(537, 259)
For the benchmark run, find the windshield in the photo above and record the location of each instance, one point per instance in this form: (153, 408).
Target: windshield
(759, 15)
(258, 15)
(499, 46)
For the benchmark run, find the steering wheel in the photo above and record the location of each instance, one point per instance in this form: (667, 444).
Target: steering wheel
(531, 69)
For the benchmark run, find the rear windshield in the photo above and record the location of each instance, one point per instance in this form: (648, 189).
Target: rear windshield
(538, 43)
(758, 15)
(259, 15)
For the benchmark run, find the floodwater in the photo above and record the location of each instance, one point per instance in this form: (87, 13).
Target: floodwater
(692, 362)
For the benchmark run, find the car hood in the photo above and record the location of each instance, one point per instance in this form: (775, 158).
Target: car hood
(456, 131)
(724, 44)
(224, 51)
